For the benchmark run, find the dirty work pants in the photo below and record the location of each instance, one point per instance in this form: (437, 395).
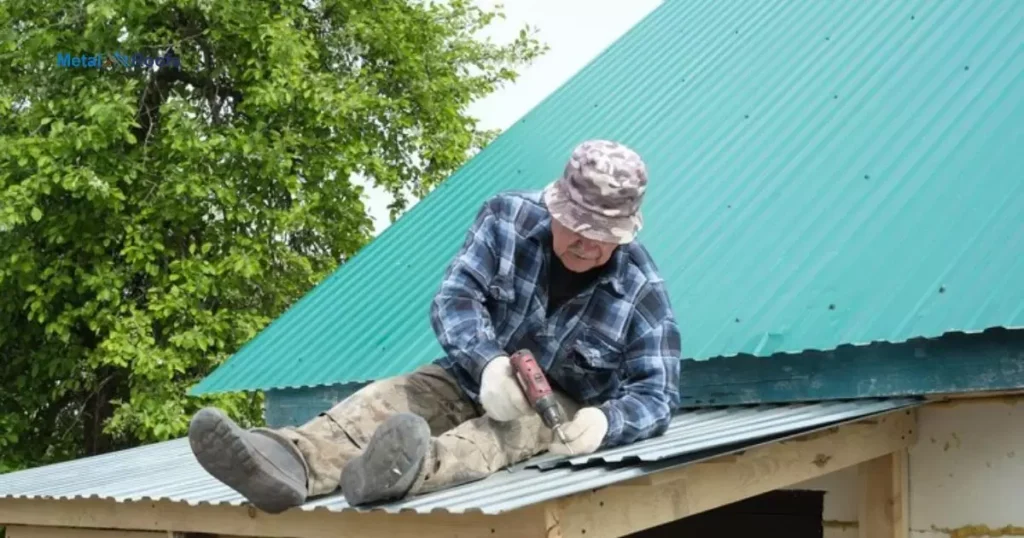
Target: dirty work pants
(465, 446)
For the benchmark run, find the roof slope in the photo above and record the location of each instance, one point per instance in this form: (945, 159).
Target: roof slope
(821, 174)
(169, 471)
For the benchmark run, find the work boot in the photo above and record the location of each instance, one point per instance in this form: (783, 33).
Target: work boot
(390, 462)
(266, 468)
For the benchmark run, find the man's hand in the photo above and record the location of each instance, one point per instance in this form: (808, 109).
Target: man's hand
(583, 434)
(500, 394)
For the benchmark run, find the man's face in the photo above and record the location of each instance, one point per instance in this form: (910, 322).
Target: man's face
(579, 254)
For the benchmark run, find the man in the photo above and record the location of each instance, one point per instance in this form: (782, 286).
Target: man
(557, 272)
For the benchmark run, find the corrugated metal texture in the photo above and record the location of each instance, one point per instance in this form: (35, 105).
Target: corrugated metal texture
(821, 173)
(707, 429)
(168, 471)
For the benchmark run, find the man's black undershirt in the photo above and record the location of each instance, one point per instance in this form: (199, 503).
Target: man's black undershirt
(564, 284)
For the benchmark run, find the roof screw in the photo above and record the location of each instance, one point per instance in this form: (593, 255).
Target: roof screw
(966, 67)
(831, 307)
(867, 176)
(942, 289)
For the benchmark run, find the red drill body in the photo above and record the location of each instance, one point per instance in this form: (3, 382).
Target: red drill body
(538, 391)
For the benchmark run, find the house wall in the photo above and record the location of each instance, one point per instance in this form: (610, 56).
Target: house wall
(966, 474)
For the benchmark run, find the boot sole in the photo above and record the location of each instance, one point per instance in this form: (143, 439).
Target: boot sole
(368, 479)
(223, 451)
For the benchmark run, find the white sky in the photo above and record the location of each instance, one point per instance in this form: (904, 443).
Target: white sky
(575, 31)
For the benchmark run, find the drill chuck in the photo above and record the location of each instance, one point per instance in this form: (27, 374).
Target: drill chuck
(538, 392)
(550, 412)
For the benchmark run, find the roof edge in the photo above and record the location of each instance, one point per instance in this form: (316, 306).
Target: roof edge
(1011, 334)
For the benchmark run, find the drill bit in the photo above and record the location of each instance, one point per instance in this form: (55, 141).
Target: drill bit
(564, 440)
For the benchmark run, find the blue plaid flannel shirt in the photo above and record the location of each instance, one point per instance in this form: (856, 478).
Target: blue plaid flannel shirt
(616, 346)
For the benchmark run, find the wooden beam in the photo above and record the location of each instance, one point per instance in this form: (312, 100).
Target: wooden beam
(246, 521)
(619, 510)
(64, 532)
(1010, 397)
(882, 496)
(56, 532)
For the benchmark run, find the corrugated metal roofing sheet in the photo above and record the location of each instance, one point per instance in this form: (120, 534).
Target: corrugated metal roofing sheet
(821, 173)
(168, 471)
(706, 429)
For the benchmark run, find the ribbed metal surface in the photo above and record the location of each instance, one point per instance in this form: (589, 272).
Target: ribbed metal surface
(168, 471)
(707, 429)
(821, 173)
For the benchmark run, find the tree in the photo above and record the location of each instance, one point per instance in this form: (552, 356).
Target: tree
(153, 218)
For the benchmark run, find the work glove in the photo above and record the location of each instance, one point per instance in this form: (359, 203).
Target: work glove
(583, 434)
(500, 394)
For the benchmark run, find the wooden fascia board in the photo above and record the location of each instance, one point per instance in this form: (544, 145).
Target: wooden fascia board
(63, 532)
(246, 521)
(615, 510)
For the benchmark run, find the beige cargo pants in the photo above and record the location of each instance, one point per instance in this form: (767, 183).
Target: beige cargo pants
(466, 445)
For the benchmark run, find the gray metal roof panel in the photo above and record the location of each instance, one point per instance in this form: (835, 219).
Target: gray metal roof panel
(168, 471)
(704, 429)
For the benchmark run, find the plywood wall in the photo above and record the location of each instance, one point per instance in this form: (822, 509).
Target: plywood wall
(966, 474)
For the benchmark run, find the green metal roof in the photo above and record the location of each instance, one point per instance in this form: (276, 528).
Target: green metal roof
(821, 173)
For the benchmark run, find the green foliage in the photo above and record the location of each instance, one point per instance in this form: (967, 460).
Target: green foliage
(154, 220)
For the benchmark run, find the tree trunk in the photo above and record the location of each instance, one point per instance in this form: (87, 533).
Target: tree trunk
(97, 410)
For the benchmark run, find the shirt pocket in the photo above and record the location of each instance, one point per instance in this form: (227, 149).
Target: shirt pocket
(502, 288)
(596, 363)
(501, 295)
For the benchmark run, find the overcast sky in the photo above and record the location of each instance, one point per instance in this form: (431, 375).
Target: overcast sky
(597, 24)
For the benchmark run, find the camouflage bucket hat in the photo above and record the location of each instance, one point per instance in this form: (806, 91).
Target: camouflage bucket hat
(600, 191)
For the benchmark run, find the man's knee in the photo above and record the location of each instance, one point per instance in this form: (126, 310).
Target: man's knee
(361, 412)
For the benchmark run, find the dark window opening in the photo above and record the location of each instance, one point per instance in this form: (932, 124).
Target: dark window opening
(789, 513)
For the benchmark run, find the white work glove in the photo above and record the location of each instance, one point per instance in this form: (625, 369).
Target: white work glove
(500, 394)
(583, 434)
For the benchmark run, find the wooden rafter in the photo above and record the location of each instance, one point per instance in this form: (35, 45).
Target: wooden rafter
(612, 511)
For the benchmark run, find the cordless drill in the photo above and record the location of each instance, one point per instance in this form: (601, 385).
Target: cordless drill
(538, 392)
